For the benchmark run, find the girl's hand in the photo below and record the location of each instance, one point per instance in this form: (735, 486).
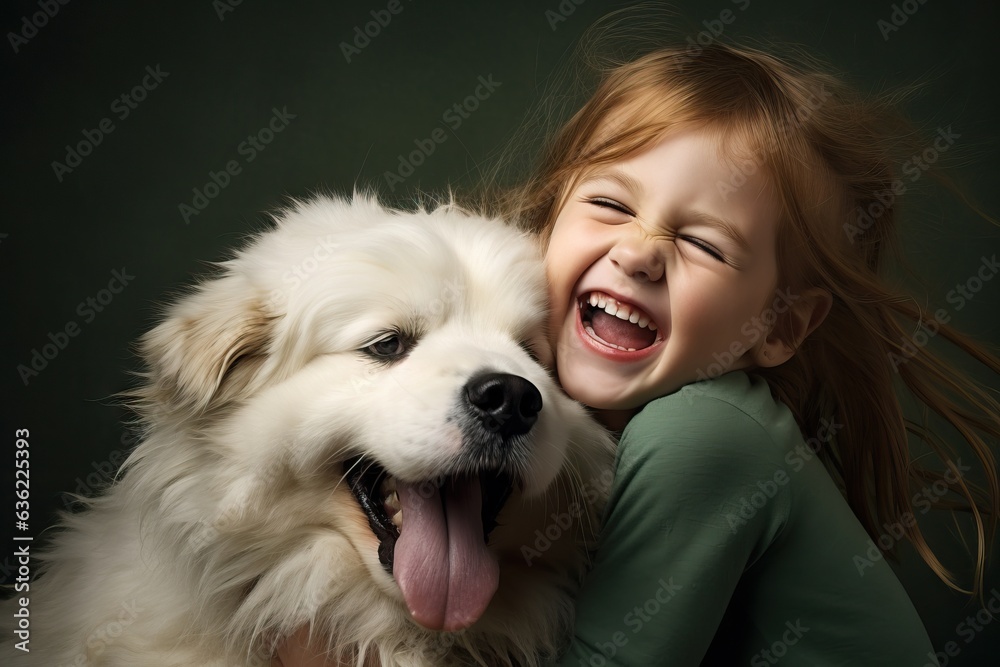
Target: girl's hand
(296, 651)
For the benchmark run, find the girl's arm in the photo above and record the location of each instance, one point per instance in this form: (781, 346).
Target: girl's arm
(677, 536)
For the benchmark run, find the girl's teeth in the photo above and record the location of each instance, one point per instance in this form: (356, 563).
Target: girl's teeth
(622, 312)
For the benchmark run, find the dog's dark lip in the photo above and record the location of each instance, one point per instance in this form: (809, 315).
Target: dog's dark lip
(365, 478)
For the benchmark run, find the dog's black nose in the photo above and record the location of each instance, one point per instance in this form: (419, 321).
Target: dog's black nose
(505, 404)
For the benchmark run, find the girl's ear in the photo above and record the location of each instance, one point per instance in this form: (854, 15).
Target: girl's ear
(805, 314)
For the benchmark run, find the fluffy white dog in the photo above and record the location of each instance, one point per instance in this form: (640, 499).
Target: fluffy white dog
(348, 427)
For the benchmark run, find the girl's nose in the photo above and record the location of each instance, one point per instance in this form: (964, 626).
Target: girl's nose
(638, 259)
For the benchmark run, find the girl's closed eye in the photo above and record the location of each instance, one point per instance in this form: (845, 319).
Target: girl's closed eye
(605, 202)
(707, 248)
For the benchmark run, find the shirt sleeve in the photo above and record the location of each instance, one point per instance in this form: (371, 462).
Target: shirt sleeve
(686, 516)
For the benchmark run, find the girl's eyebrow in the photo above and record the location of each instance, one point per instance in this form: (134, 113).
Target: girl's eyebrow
(726, 227)
(618, 176)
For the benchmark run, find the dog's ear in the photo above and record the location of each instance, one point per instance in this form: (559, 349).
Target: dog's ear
(209, 349)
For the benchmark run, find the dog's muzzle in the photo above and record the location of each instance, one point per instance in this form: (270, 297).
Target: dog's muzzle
(433, 533)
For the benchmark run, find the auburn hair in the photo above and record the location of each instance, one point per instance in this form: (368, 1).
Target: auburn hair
(829, 153)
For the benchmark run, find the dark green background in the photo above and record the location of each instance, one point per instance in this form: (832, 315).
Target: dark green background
(119, 208)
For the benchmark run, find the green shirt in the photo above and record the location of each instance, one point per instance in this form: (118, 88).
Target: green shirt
(726, 542)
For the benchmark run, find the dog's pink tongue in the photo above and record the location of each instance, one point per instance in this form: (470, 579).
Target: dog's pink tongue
(441, 562)
(621, 332)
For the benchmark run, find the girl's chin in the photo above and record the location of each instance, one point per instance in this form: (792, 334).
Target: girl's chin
(604, 394)
(600, 400)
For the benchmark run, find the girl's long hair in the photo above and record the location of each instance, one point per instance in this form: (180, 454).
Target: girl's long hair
(830, 155)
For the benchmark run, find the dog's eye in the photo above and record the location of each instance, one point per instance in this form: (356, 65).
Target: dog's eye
(390, 346)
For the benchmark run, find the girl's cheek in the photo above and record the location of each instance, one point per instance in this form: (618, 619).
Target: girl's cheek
(692, 313)
(704, 316)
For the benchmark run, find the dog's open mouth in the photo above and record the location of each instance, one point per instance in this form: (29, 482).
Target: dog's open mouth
(432, 538)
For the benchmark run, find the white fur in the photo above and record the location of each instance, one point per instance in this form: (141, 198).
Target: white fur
(232, 526)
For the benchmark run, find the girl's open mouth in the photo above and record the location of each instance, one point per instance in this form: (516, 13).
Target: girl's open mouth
(615, 329)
